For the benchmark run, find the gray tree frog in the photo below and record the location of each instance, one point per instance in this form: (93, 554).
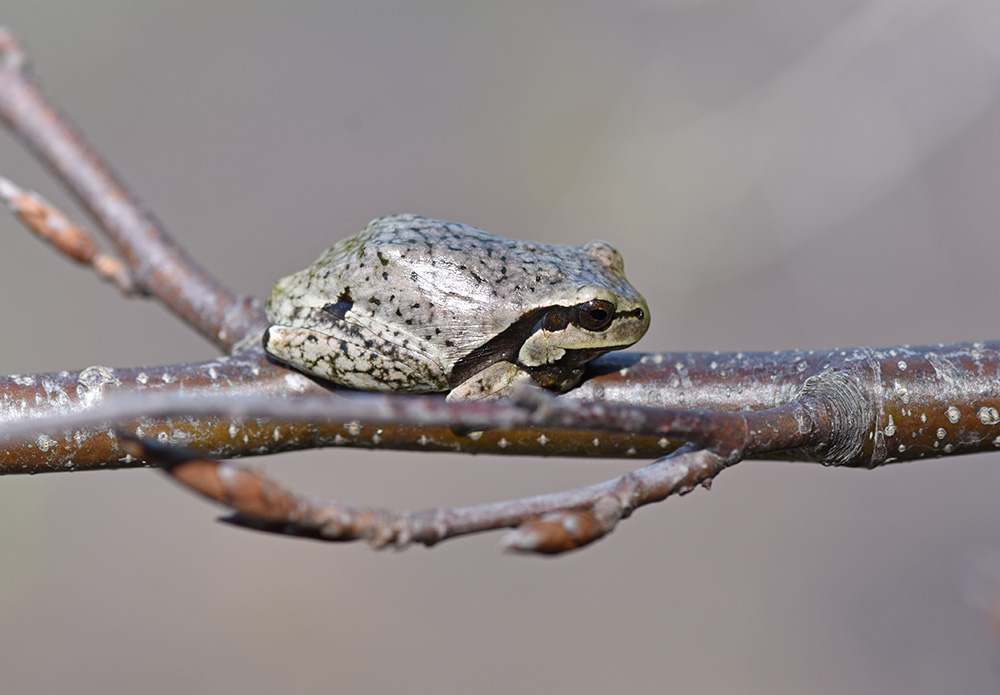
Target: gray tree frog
(419, 305)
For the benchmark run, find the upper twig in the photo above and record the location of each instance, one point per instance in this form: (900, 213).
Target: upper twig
(155, 262)
(50, 224)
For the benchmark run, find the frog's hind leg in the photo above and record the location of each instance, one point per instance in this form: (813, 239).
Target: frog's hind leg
(353, 356)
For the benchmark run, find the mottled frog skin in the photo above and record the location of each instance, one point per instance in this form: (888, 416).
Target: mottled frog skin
(419, 305)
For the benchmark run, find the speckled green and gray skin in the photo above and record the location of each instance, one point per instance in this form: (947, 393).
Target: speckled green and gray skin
(420, 305)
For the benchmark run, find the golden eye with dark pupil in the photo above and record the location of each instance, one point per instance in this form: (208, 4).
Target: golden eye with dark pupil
(595, 315)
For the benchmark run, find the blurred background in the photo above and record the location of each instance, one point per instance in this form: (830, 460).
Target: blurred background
(776, 175)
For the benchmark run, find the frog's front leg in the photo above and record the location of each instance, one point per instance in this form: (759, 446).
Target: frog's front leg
(496, 381)
(351, 354)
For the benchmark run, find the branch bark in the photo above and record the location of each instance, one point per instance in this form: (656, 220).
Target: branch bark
(882, 406)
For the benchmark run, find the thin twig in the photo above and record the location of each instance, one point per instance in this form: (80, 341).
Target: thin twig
(547, 524)
(155, 262)
(45, 220)
(569, 528)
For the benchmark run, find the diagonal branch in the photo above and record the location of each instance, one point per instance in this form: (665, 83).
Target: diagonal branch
(156, 263)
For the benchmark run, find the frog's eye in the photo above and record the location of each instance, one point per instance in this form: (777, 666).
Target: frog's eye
(595, 315)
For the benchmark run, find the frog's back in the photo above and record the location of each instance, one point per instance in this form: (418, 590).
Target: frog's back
(456, 261)
(447, 283)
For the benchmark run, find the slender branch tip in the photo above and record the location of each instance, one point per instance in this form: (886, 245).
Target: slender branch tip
(12, 56)
(50, 224)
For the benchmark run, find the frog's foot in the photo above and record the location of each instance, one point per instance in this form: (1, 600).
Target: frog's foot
(496, 381)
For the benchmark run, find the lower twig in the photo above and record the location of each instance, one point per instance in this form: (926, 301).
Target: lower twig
(550, 524)
(568, 529)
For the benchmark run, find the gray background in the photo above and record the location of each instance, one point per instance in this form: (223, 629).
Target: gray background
(776, 174)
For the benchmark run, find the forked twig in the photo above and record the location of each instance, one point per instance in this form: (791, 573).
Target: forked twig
(551, 523)
(156, 264)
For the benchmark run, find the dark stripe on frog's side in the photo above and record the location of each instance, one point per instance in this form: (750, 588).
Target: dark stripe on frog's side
(564, 373)
(503, 347)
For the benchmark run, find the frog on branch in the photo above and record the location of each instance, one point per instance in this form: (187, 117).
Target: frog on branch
(419, 305)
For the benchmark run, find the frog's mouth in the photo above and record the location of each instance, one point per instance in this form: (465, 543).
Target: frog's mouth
(551, 345)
